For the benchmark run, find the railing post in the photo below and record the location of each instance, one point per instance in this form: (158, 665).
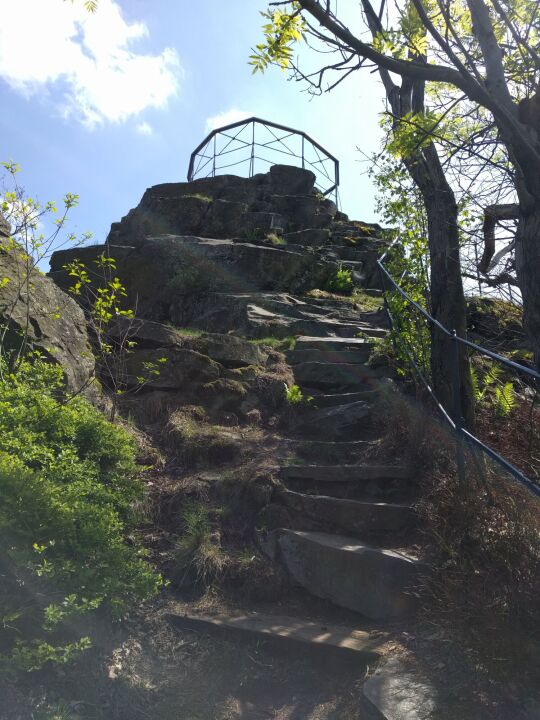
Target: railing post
(458, 410)
(252, 159)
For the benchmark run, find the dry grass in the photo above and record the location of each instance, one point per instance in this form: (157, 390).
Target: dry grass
(190, 436)
(483, 541)
(515, 436)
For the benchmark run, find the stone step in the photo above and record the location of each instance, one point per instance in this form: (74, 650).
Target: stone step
(324, 375)
(353, 421)
(283, 630)
(324, 451)
(340, 422)
(397, 692)
(369, 395)
(359, 482)
(348, 330)
(309, 308)
(373, 581)
(305, 342)
(354, 357)
(344, 473)
(353, 517)
(263, 322)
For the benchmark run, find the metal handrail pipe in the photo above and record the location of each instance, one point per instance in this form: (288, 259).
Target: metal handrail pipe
(484, 351)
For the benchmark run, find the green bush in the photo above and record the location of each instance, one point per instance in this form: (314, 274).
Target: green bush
(341, 282)
(67, 484)
(295, 396)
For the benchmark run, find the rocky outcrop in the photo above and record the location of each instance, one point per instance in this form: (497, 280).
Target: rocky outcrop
(227, 206)
(188, 251)
(235, 259)
(223, 373)
(166, 276)
(34, 307)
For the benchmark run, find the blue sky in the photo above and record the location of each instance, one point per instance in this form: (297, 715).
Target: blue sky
(109, 104)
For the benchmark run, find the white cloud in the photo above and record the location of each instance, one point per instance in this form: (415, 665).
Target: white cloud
(226, 118)
(144, 128)
(57, 47)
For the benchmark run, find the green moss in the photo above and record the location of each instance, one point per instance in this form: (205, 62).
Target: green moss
(226, 386)
(276, 239)
(189, 332)
(200, 196)
(366, 302)
(357, 298)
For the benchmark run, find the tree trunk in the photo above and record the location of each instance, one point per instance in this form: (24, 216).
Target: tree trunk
(447, 297)
(528, 272)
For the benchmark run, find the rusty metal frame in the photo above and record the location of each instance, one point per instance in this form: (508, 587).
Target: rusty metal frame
(207, 154)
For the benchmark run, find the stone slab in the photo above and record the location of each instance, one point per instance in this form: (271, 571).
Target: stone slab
(355, 517)
(354, 357)
(325, 375)
(373, 581)
(398, 694)
(306, 342)
(344, 473)
(286, 630)
(333, 422)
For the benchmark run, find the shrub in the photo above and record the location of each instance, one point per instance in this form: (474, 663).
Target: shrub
(341, 282)
(67, 479)
(276, 239)
(295, 396)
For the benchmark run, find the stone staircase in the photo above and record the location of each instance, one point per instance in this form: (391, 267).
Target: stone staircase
(339, 526)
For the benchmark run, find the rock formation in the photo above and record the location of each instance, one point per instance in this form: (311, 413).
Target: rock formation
(241, 258)
(194, 253)
(35, 307)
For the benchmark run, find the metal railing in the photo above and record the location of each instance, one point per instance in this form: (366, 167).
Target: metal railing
(255, 143)
(454, 418)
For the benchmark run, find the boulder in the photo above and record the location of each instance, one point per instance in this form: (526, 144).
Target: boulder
(146, 333)
(223, 221)
(373, 581)
(397, 693)
(231, 351)
(292, 180)
(56, 325)
(301, 211)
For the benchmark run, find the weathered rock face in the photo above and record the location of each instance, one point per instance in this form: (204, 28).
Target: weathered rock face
(223, 372)
(56, 325)
(164, 274)
(192, 253)
(227, 207)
